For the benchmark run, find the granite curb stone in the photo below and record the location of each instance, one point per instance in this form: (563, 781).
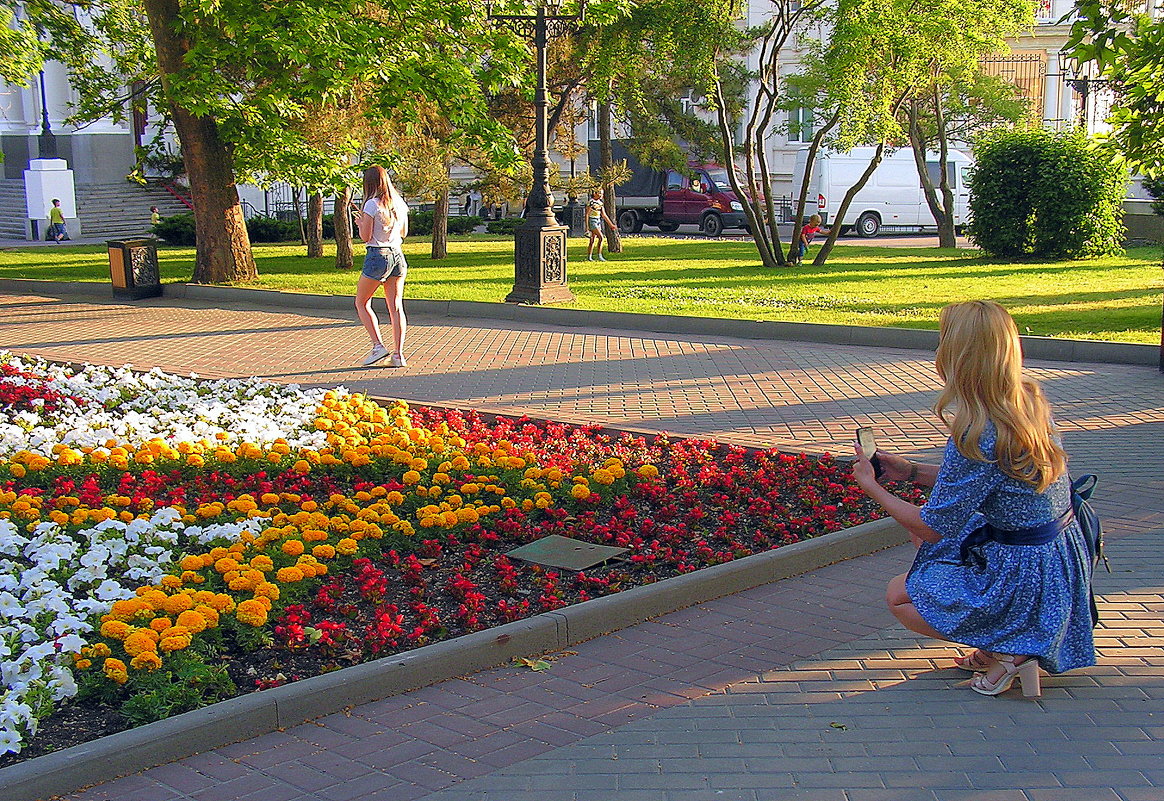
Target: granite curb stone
(1049, 348)
(257, 713)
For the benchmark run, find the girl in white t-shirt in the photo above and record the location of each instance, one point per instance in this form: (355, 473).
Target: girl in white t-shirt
(383, 224)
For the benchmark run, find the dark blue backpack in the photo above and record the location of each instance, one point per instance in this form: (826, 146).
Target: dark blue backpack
(1081, 489)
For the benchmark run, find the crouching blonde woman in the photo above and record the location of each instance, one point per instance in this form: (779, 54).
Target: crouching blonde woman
(383, 224)
(1001, 564)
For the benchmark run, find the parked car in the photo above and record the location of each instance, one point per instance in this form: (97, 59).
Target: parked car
(668, 199)
(893, 197)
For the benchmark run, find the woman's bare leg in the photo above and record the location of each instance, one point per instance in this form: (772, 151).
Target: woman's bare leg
(394, 294)
(365, 291)
(903, 609)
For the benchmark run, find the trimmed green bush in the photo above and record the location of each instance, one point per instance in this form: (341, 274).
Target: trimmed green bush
(269, 229)
(1155, 189)
(505, 226)
(177, 230)
(1045, 194)
(420, 223)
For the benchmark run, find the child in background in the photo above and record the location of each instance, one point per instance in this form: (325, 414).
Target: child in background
(57, 230)
(811, 229)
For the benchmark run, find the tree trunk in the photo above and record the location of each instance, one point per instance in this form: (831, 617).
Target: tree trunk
(823, 255)
(342, 211)
(941, 208)
(223, 251)
(440, 225)
(606, 160)
(296, 194)
(315, 225)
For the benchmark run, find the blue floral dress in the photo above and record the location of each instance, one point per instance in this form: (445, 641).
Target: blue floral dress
(1028, 599)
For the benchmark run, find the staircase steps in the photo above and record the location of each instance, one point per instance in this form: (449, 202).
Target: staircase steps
(12, 208)
(115, 211)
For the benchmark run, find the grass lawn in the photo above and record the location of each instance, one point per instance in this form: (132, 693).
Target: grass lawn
(1114, 298)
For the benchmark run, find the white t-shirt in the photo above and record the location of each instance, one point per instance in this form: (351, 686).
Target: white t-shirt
(382, 238)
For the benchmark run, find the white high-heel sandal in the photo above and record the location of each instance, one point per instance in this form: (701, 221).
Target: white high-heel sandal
(1027, 673)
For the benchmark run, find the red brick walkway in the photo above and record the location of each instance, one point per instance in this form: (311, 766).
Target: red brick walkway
(794, 395)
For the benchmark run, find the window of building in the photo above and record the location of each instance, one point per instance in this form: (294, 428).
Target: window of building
(800, 124)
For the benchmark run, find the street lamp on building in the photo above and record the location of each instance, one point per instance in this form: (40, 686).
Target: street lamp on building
(539, 246)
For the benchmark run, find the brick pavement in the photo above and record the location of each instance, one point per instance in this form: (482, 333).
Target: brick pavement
(505, 733)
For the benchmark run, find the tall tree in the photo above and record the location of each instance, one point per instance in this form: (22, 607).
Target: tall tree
(238, 76)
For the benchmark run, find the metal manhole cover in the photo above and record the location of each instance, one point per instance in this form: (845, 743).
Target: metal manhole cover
(566, 553)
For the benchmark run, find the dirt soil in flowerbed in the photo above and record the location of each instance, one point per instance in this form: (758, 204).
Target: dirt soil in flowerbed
(711, 504)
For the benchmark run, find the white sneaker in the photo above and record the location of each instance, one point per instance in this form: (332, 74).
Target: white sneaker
(398, 360)
(378, 353)
(590, 258)
(601, 257)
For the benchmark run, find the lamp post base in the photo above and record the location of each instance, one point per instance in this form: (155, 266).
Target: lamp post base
(540, 265)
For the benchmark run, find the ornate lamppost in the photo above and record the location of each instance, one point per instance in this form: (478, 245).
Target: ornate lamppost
(539, 246)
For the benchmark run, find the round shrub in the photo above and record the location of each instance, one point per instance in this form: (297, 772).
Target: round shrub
(420, 223)
(1045, 194)
(177, 230)
(269, 229)
(505, 226)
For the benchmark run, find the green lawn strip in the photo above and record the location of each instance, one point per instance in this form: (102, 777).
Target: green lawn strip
(1115, 298)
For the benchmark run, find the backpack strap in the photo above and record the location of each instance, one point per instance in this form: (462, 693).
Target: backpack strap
(1084, 485)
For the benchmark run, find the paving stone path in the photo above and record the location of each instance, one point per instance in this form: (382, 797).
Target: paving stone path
(802, 689)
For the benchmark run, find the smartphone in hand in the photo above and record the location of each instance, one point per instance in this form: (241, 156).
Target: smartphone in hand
(869, 446)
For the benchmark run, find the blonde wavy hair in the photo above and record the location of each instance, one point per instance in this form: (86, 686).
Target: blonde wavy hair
(391, 207)
(981, 363)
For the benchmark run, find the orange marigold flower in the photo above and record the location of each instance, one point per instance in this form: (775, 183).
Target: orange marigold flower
(160, 623)
(116, 629)
(176, 604)
(347, 546)
(140, 642)
(293, 547)
(289, 575)
(116, 671)
(147, 660)
(193, 620)
(323, 551)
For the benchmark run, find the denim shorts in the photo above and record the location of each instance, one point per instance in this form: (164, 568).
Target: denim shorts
(382, 263)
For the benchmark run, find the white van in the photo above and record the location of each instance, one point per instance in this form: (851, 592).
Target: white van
(893, 196)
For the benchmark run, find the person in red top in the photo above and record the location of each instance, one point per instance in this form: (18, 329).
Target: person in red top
(811, 228)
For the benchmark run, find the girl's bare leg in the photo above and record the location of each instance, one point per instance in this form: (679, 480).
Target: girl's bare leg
(903, 609)
(365, 291)
(394, 294)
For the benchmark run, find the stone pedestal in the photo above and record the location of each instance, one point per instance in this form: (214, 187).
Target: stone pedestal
(44, 180)
(540, 265)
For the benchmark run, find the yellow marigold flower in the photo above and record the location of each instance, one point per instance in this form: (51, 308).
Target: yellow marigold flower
(191, 563)
(509, 503)
(209, 615)
(176, 604)
(171, 582)
(289, 575)
(17, 470)
(309, 506)
(267, 590)
(192, 620)
(648, 471)
(395, 498)
(580, 491)
(301, 466)
(240, 584)
(100, 650)
(83, 664)
(190, 577)
(221, 602)
(160, 623)
(195, 460)
(177, 643)
(323, 552)
(252, 613)
(147, 660)
(115, 629)
(140, 642)
(293, 547)
(603, 476)
(346, 547)
(116, 671)
(467, 515)
(411, 477)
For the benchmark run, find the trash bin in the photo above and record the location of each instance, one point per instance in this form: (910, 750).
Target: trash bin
(133, 268)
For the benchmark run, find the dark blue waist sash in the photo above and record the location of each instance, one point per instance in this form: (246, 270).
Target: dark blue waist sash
(1036, 535)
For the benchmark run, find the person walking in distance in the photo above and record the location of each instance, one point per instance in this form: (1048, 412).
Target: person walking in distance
(382, 224)
(56, 215)
(595, 216)
(1002, 565)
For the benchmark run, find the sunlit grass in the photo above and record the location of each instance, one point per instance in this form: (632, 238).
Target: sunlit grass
(1116, 298)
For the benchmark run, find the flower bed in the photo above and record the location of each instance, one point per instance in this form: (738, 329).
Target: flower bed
(167, 542)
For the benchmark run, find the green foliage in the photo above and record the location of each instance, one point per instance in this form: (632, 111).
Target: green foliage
(1126, 49)
(1045, 194)
(177, 229)
(269, 229)
(186, 683)
(503, 227)
(420, 223)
